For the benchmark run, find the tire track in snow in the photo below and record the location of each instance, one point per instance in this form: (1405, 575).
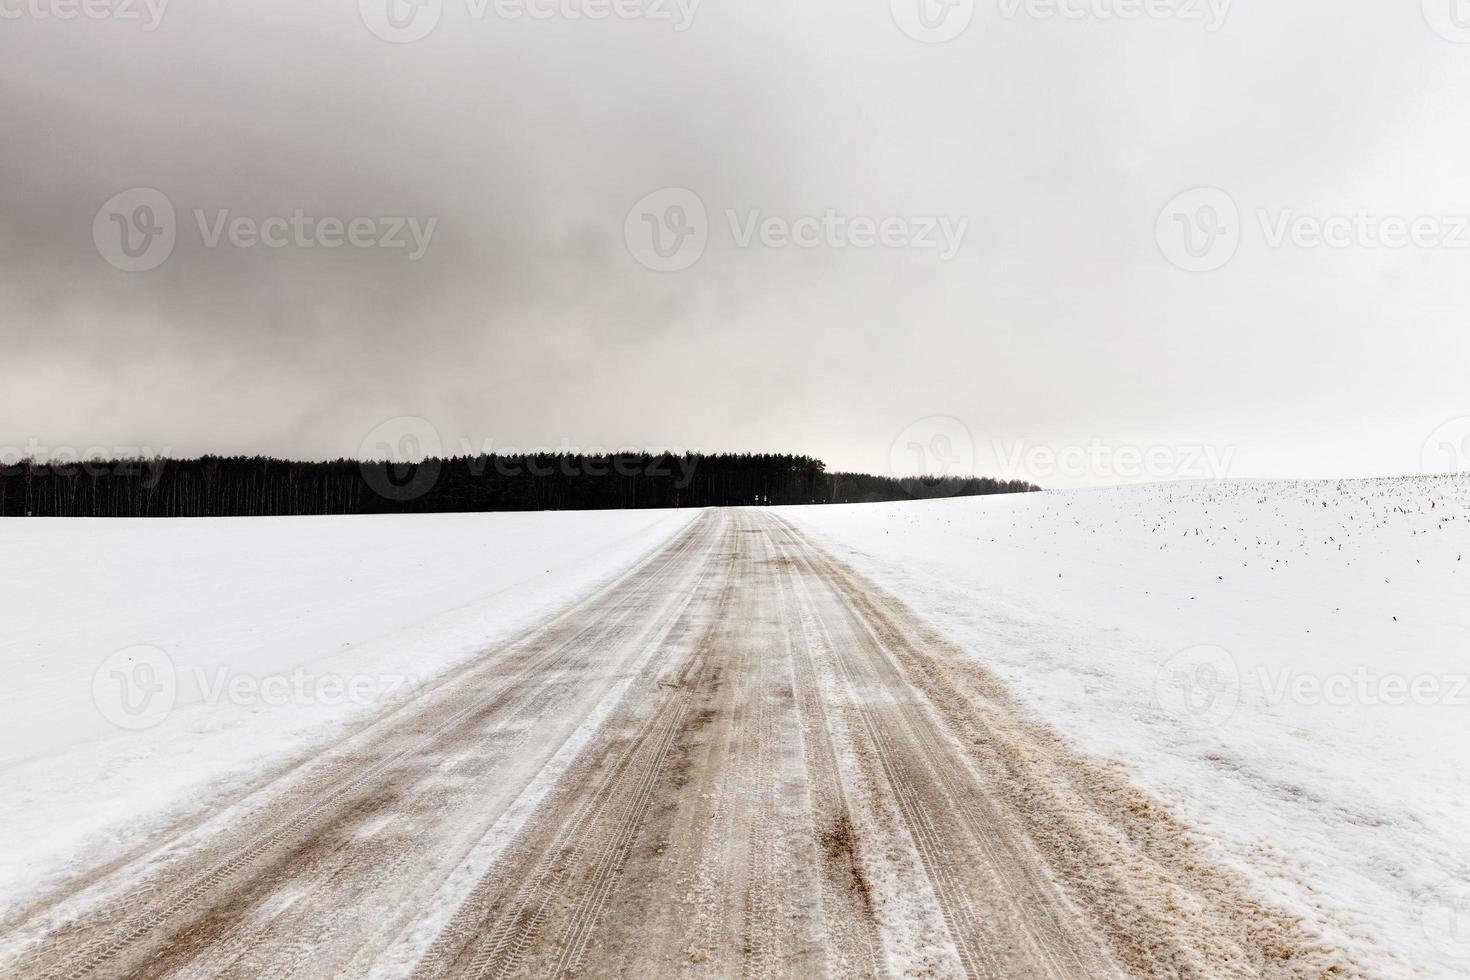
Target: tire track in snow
(740, 761)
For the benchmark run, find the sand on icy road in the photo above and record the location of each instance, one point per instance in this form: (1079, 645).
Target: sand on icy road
(739, 759)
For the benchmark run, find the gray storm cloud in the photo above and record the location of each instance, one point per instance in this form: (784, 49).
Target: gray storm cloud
(529, 319)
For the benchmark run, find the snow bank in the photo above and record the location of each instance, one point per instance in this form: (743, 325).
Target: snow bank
(152, 666)
(1287, 663)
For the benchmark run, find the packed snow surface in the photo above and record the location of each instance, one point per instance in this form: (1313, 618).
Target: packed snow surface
(1285, 663)
(153, 666)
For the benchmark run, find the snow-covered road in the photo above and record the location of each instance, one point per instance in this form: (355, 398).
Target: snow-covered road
(1285, 664)
(738, 759)
(275, 635)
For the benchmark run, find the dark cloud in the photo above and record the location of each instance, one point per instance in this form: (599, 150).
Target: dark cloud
(529, 322)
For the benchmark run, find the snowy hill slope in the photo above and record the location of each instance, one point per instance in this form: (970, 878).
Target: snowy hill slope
(1287, 663)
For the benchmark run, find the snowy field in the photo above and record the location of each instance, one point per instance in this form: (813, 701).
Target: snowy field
(1286, 663)
(153, 666)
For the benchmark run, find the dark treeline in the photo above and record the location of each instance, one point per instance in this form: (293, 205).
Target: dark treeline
(258, 487)
(864, 488)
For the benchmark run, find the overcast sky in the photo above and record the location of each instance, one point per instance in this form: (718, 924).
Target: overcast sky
(995, 264)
